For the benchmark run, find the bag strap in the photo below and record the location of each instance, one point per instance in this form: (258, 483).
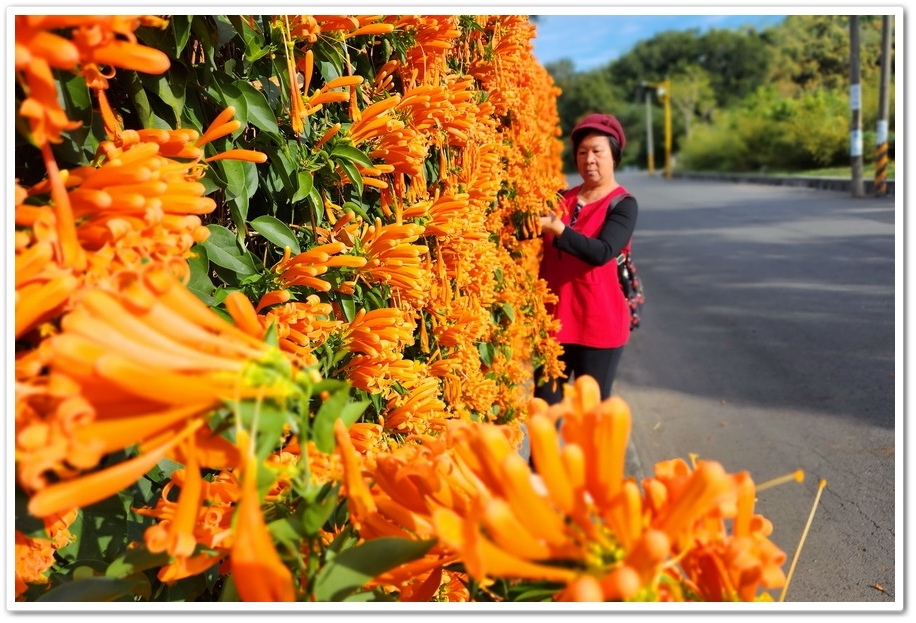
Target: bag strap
(623, 254)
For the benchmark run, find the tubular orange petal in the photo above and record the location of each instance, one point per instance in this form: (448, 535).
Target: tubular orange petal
(218, 131)
(97, 486)
(162, 353)
(484, 559)
(371, 29)
(244, 155)
(181, 528)
(609, 443)
(168, 387)
(37, 304)
(652, 549)
(244, 314)
(509, 533)
(622, 583)
(59, 53)
(545, 451)
(109, 435)
(706, 485)
(358, 495)
(623, 514)
(259, 573)
(342, 81)
(543, 521)
(132, 56)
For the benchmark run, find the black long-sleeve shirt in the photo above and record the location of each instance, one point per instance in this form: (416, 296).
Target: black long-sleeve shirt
(615, 233)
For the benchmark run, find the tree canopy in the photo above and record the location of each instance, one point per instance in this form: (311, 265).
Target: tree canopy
(794, 76)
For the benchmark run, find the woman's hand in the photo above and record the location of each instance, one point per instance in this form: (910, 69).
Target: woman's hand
(552, 224)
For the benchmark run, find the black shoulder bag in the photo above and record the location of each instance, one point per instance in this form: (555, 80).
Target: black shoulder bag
(630, 283)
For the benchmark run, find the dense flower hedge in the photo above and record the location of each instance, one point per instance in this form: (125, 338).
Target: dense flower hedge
(276, 316)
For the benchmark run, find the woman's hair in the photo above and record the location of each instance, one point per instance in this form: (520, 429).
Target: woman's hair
(612, 141)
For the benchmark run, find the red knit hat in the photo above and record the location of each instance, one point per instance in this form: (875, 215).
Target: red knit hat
(606, 124)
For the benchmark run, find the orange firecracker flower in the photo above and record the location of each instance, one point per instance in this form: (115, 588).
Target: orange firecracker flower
(259, 573)
(578, 520)
(145, 364)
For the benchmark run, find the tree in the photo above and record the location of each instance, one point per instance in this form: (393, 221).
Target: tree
(737, 62)
(813, 51)
(692, 96)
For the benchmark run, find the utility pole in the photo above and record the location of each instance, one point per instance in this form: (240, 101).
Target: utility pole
(881, 147)
(650, 144)
(855, 104)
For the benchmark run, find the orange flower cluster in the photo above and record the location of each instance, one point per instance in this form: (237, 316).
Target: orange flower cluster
(94, 40)
(35, 555)
(415, 110)
(578, 521)
(114, 353)
(98, 249)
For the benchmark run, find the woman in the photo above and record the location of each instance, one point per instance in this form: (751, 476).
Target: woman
(579, 260)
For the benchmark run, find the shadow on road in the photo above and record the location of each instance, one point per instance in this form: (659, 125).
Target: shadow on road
(770, 296)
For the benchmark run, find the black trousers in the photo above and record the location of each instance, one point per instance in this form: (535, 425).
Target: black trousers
(598, 363)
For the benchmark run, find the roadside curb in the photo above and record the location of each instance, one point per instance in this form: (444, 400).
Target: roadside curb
(821, 183)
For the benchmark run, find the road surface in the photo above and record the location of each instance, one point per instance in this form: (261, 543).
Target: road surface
(770, 343)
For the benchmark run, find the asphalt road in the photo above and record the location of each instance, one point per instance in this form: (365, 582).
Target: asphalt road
(769, 344)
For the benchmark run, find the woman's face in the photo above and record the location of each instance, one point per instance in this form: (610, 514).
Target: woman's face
(594, 160)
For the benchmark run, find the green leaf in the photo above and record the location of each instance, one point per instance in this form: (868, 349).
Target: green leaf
(316, 512)
(348, 306)
(281, 168)
(271, 336)
(230, 593)
(163, 470)
(276, 231)
(223, 250)
(259, 111)
(238, 211)
(352, 568)
(80, 143)
(171, 39)
(226, 91)
(205, 31)
(314, 199)
(353, 173)
(134, 561)
(270, 419)
(509, 310)
(181, 24)
(346, 152)
(305, 187)
(285, 531)
(171, 88)
(254, 41)
(199, 281)
(241, 177)
(95, 589)
(487, 352)
(357, 209)
(337, 406)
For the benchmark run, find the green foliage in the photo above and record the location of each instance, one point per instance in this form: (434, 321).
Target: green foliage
(742, 100)
(819, 125)
(342, 577)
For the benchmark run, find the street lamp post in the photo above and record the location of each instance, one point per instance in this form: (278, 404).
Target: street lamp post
(650, 144)
(663, 92)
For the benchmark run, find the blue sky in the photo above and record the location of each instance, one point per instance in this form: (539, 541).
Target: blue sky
(591, 41)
